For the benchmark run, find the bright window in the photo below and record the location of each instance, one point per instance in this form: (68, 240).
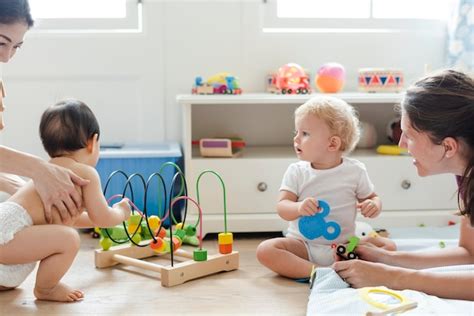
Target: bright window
(356, 9)
(86, 15)
(355, 16)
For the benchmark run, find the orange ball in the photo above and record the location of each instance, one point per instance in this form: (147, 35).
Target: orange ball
(330, 78)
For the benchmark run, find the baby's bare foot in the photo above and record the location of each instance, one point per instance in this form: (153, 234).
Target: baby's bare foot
(59, 293)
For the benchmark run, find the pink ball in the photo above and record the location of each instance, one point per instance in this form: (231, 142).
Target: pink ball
(330, 78)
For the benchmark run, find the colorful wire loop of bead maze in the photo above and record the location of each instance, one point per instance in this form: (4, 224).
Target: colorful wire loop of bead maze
(144, 236)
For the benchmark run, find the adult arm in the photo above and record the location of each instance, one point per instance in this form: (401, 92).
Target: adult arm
(10, 183)
(399, 270)
(55, 185)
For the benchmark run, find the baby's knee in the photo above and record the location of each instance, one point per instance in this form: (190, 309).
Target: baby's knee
(71, 238)
(265, 249)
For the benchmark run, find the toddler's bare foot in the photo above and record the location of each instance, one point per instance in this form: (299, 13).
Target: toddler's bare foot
(59, 293)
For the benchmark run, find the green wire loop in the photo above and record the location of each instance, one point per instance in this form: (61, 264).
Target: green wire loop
(223, 189)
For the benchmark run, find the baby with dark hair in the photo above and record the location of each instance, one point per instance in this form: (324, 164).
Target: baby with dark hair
(70, 134)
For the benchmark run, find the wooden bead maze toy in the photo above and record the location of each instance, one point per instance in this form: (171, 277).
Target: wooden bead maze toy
(144, 236)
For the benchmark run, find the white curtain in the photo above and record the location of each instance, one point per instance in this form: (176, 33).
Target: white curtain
(461, 37)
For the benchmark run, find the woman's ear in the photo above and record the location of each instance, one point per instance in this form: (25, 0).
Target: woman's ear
(334, 143)
(92, 143)
(451, 147)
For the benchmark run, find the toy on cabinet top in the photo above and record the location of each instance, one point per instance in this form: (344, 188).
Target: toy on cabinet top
(220, 147)
(380, 80)
(330, 78)
(289, 79)
(221, 83)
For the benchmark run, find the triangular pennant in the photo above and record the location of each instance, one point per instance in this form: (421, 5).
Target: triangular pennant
(375, 80)
(397, 78)
(390, 80)
(367, 80)
(383, 79)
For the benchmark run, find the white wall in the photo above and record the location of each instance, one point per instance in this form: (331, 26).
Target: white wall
(131, 80)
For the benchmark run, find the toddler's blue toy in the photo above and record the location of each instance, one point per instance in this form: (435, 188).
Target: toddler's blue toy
(315, 226)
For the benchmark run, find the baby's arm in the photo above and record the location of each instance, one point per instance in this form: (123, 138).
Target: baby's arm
(371, 206)
(98, 211)
(289, 209)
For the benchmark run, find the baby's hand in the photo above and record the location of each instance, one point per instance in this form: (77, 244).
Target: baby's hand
(124, 206)
(369, 208)
(308, 207)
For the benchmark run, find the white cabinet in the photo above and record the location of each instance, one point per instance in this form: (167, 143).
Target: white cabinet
(252, 180)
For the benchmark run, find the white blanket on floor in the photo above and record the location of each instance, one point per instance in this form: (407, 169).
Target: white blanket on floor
(332, 296)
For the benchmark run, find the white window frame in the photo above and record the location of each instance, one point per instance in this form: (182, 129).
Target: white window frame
(273, 24)
(131, 23)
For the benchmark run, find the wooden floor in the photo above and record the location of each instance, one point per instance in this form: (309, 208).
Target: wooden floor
(251, 290)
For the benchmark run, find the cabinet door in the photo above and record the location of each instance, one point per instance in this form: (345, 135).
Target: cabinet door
(400, 188)
(252, 184)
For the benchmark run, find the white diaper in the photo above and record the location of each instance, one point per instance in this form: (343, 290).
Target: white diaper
(13, 218)
(322, 255)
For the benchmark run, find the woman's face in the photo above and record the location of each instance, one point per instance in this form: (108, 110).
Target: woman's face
(428, 157)
(11, 39)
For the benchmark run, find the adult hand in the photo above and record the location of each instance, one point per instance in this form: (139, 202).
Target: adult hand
(10, 183)
(55, 186)
(359, 273)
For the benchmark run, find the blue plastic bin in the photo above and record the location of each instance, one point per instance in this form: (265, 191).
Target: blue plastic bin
(146, 160)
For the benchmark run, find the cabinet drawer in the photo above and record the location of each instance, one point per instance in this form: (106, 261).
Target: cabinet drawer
(252, 185)
(400, 188)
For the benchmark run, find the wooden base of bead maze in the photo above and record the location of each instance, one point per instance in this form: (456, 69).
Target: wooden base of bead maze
(170, 275)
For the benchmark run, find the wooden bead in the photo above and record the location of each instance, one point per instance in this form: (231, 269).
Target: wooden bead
(225, 248)
(225, 238)
(105, 243)
(200, 255)
(154, 222)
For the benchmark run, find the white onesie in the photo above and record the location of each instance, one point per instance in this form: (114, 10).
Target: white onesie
(340, 187)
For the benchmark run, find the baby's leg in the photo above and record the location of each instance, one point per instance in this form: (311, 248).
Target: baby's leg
(56, 247)
(285, 256)
(381, 242)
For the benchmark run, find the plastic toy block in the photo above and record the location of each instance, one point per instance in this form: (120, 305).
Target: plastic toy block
(225, 248)
(200, 255)
(137, 238)
(225, 238)
(154, 222)
(132, 229)
(161, 233)
(134, 219)
(177, 242)
(190, 230)
(105, 243)
(158, 245)
(180, 233)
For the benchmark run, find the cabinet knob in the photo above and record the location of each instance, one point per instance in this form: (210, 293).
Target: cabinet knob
(406, 184)
(262, 187)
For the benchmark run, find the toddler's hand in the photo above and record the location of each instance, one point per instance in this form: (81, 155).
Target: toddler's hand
(308, 207)
(124, 206)
(369, 208)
